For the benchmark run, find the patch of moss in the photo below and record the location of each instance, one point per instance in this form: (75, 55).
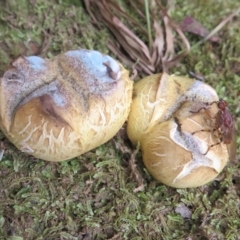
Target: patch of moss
(92, 196)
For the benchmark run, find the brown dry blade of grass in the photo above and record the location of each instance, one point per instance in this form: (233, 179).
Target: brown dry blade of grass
(115, 49)
(158, 44)
(130, 48)
(131, 44)
(170, 62)
(169, 52)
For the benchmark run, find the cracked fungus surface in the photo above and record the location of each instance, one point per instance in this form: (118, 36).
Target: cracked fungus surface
(178, 158)
(65, 106)
(173, 119)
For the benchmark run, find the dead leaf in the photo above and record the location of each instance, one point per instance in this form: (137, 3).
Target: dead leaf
(190, 24)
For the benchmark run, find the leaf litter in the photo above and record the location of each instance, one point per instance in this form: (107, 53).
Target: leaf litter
(134, 52)
(135, 47)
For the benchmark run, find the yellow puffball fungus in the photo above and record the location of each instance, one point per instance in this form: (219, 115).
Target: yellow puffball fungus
(56, 109)
(173, 119)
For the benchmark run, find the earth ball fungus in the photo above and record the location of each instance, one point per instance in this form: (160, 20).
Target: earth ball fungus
(56, 109)
(174, 120)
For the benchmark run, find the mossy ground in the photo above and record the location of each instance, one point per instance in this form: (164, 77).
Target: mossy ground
(92, 196)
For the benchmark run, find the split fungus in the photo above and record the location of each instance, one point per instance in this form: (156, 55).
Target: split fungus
(174, 120)
(56, 109)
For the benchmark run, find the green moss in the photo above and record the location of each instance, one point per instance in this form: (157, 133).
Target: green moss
(92, 196)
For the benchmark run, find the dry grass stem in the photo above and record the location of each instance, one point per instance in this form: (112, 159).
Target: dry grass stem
(130, 47)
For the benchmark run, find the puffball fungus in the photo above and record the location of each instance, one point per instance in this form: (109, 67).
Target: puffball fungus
(56, 109)
(173, 119)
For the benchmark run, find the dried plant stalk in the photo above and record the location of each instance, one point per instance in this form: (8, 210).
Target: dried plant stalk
(151, 56)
